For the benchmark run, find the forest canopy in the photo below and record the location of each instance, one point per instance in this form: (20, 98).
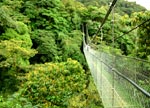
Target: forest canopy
(42, 64)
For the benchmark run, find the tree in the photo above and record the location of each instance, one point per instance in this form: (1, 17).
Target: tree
(15, 45)
(143, 39)
(122, 6)
(52, 84)
(13, 59)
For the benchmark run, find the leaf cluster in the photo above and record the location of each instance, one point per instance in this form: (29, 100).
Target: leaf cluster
(53, 84)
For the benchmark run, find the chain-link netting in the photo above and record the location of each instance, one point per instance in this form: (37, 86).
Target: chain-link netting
(122, 82)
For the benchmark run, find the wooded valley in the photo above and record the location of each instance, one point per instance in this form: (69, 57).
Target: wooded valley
(42, 64)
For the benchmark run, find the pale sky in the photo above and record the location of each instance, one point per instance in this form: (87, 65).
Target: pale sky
(145, 3)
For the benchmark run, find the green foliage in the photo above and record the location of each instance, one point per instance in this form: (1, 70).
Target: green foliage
(70, 46)
(44, 42)
(108, 49)
(15, 45)
(52, 23)
(13, 58)
(10, 12)
(53, 84)
(15, 101)
(14, 53)
(5, 19)
(122, 6)
(143, 39)
(43, 15)
(139, 37)
(88, 98)
(52, 27)
(20, 33)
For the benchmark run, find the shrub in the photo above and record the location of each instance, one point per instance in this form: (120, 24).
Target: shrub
(52, 84)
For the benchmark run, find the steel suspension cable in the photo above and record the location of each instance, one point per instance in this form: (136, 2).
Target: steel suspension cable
(106, 16)
(132, 29)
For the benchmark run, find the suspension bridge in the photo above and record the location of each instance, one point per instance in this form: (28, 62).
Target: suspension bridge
(121, 81)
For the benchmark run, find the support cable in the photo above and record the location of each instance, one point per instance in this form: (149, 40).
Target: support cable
(132, 29)
(113, 58)
(106, 16)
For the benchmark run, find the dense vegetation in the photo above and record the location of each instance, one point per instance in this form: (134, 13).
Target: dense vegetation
(122, 6)
(41, 59)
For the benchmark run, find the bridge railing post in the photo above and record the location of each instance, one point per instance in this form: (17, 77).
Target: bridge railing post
(101, 73)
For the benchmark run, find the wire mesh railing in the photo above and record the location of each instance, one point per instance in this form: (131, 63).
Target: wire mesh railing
(122, 82)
